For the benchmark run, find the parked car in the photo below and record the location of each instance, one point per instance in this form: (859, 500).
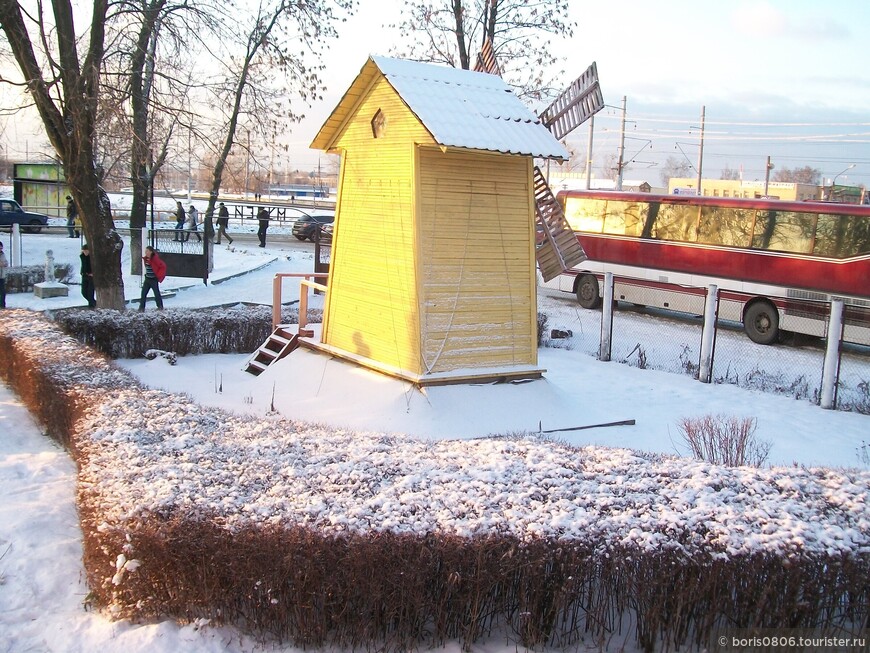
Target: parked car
(305, 228)
(12, 213)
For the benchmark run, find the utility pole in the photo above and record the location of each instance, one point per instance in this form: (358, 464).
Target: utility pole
(247, 163)
(621, 148)
(189, 166)
(589, 152)
(271, 166)
(767, 170)
(701, 149)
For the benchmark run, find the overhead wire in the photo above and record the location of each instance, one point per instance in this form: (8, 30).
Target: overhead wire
(662, 133)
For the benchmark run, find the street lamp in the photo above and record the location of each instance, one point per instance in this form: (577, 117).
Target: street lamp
(834, 183)
(767, 170)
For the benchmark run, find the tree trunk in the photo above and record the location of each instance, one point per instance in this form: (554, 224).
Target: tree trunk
(464, 59)
(69, 126)
(138, 213)
(141, 83)
(99, 228)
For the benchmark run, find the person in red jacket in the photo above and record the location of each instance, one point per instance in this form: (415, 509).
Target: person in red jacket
(155, 272)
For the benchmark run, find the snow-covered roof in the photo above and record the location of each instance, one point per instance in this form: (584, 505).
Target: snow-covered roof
(459, 108)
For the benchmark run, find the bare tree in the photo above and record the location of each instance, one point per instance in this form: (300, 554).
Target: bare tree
(453, 31)
(729, 174)
(674, 167)
(271, 42)
(145, 29)
(64, 86)
(805, 175)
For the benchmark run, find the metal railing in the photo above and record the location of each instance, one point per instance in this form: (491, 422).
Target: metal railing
(832, 373)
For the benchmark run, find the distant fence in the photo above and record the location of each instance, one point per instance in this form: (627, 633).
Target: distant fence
(285, 214)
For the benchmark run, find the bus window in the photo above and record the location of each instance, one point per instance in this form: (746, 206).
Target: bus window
(623, 218)
(675, 222)
(721, 225)
(585, 215)
(842, 235)
(830, 232)
(785, 231)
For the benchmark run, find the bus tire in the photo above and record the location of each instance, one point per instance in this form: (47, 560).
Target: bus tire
(761, 322)
(588, 295)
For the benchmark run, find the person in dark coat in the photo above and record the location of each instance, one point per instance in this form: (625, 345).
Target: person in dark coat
(263, 217)
(71, 214)
(155, 272)
(223, 222)
(180, 217)
(87, 277)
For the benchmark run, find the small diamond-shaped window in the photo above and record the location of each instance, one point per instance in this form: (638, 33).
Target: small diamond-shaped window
(379, 124)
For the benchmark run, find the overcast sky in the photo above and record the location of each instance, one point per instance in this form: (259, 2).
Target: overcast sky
(781, 78)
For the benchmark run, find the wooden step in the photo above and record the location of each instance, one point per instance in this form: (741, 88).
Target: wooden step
(279, 343)
(255, 368)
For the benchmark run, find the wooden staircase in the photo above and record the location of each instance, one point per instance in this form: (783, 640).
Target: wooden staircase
(557, 248)
(277, 346)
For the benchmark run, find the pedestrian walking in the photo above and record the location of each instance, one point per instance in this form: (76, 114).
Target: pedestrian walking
(88, 291)
(71, 215)
(192, 224)
(263, 217)
(155, 272)
(223, 222)
(179, 221)
(4, 263)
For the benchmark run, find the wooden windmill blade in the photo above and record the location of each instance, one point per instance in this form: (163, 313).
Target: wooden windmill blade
(558, 249)
(575, 105)
(486, 61)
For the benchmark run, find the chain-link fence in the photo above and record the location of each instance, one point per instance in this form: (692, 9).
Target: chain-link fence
(650, 343)
(671, 340)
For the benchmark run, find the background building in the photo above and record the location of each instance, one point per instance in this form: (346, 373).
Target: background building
(747, 189)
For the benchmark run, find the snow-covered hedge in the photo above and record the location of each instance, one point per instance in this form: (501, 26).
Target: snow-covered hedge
(185, 332)
(22, 278)
(365, 540)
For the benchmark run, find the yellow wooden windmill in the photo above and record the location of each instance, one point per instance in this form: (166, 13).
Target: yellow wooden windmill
(432, 274)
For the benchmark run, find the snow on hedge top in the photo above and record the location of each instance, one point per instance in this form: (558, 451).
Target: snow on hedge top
(157, 452)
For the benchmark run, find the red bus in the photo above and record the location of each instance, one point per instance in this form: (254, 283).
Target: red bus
(776, 263)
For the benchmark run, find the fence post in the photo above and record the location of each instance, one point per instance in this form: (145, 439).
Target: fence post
(605, 341)
(832, 355)
(705, 366)
(276, 301)
(15, 258)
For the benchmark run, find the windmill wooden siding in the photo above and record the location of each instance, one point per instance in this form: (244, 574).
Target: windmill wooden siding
(432, 275)
(371, 308)
(477, 299)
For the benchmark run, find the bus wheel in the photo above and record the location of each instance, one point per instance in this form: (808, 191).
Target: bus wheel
(587, 291)
(761, 322)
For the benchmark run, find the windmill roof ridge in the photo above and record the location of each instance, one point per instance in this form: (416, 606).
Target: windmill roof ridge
(459, 108)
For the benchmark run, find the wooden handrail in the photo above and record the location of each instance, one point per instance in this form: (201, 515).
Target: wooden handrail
(303, 296)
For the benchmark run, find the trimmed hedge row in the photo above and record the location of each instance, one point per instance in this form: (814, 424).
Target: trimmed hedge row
(186, 332)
